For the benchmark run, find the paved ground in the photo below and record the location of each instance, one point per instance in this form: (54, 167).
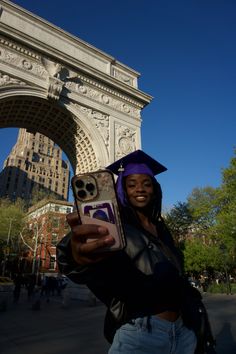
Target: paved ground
(222, 313)
(78, 329)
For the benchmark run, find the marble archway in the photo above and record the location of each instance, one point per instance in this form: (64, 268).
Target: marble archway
(58, 85)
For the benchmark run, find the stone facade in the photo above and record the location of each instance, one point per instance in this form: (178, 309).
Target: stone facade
(53, 83)
(35, 163)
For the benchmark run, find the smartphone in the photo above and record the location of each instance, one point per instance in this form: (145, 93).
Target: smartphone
(96, 203)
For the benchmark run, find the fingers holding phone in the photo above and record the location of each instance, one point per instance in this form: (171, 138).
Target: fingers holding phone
(96, 204)
(88, 241)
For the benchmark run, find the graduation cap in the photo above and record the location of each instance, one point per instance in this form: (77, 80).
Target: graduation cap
(137, 162)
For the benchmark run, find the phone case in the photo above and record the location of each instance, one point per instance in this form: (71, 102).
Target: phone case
(96, 203)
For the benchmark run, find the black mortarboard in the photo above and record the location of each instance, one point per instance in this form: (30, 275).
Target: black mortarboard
(136, 162)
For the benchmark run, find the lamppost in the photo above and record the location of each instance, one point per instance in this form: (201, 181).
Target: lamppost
(224, 254)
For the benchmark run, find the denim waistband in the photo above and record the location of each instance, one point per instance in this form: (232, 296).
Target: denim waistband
(155, 322)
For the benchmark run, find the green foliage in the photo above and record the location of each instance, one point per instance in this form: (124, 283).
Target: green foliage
(203, 206)
(207, 225)
(179, 220)
(225, 227)
(11, 219)
(226, 218)
(221, 288)
(229, 179)
(200, 256)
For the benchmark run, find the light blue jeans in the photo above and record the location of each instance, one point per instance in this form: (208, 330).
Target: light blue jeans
(153, 336)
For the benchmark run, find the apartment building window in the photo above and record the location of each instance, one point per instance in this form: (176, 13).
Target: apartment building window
(55, 222)
(52, 262)
(54, 239)
(66, 226)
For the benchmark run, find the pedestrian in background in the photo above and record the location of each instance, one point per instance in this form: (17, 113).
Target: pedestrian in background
(17, 288)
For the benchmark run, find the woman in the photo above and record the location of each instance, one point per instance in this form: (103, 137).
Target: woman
(142, 286)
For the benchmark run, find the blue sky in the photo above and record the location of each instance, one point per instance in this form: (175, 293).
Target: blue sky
(185, 52)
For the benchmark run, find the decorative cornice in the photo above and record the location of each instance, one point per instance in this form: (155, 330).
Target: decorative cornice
(47, 39)
(104, 98)
(19, 48)
(59, 76)
(108, 90)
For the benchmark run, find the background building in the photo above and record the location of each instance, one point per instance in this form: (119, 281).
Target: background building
(35, 163)
(47, 225)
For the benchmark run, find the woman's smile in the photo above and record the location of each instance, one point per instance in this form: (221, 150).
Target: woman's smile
(139, 188)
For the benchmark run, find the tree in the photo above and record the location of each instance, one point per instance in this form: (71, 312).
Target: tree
(11, 221)
(179, 220)
(208, 222)
(200, 257)
(203, 205)
(214, 216)
(225, 228)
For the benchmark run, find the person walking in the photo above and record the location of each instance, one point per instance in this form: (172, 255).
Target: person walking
(17, 288)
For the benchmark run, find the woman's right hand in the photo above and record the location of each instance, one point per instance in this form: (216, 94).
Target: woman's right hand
(86, 240)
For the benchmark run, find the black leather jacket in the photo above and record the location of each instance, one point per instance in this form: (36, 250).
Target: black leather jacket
(143, 279)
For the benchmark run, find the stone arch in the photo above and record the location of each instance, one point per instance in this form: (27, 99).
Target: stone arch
(56, 120)
(83, 99)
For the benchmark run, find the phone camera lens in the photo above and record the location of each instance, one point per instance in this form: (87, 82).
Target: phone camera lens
(79, 183)
(82, 194)
(90, 187)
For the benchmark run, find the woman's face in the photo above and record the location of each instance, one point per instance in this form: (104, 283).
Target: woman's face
(139, 189)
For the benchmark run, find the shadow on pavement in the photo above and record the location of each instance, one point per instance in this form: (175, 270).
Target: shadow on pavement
(225, 340)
